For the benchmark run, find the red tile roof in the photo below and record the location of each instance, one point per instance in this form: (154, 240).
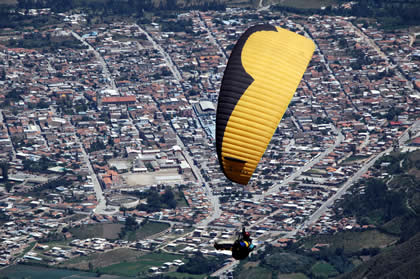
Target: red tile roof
(119, 99)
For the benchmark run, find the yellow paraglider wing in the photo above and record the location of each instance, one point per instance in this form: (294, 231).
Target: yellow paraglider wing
(262, 74)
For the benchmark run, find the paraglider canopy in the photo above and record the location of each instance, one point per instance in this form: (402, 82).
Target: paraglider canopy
(262, 74)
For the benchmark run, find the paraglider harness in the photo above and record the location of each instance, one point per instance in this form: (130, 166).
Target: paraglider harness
(240, 248)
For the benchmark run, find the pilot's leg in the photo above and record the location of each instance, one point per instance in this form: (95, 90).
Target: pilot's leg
(223, 245)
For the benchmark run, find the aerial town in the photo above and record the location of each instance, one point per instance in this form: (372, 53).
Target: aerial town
(84, 130)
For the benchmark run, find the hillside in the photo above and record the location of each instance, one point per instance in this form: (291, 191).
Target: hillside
(401, 261)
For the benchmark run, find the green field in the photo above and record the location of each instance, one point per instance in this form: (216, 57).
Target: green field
(100, 260)
(180, 200)
(292, 276)
(141, 266)
(353, 159)
(37, 272)
(185, 275)
(62, 243)
(352, 241)
(109, 231)
(323, 270)
(255, 272)
(393, 226)
(146, 230)
(27, 249)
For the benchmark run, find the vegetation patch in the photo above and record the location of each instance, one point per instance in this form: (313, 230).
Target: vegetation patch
(35, 41)
(27, 249)
(323, 270)
(305, 4)
(140, 266)
(315, 171)
(354, 158)
(393, 226)
(40, 272)
(180, 199)
(400, 261)
(99, 260)
(108, 231)
(255, 272)
(146, 230)
(156, 201)
(375, 204)
(199, 264)
(76, 217)
(185, 275)
(351, 241)
(61, 244)
(292, 276)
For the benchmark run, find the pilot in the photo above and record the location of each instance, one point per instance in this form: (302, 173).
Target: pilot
(240, 248)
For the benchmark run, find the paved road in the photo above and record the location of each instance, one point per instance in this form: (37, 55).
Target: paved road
(373, 45)
(214, 200)
(101, 60)
(296, 123)
(50, 68)
(165, 55)
(261, 7)
(8, 134)
(324, 61)
(289, 146)
(101, 207)
(216, 212)
(211, 37)
(304, 168)
(365, 142)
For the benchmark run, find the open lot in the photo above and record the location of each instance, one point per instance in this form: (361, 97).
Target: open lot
(146, 230)
(150, 178)
(108, 231)
(352, 241)
(111, 231)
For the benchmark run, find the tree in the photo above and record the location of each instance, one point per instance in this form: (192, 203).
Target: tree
(288, 262)
(198, 264)
(131, 223)
(169, 198)
(4, 170)
(375, 192)
(9, 186)
(342, 43)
